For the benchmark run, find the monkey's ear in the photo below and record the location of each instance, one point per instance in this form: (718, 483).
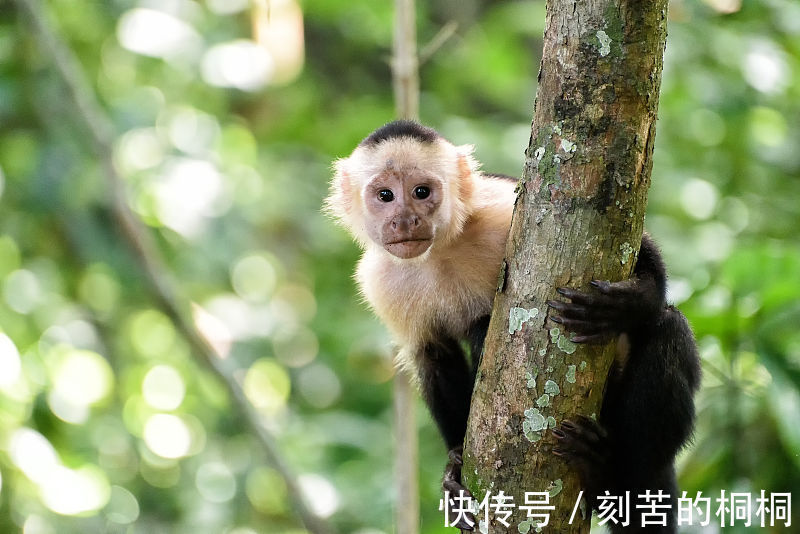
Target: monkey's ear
(339, 201)
(466, 167)
(466, 150)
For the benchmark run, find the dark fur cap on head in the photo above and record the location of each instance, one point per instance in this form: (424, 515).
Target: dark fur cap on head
(401, 128)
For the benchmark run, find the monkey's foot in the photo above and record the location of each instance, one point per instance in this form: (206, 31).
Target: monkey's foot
(452, 483)
(612, 308)
(583, 443)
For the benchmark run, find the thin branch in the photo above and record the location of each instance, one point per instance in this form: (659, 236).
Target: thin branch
(441, 37)
(405, 67)
(100, 130)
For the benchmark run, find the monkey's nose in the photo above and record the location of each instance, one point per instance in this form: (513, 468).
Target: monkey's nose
(405, 223)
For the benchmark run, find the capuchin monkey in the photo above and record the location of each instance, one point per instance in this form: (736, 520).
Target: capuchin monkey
(433, 228)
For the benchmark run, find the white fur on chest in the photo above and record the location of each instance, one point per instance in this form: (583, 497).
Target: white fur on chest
(417, 300)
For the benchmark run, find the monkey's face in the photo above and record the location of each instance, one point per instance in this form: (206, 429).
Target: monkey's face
(402, 208)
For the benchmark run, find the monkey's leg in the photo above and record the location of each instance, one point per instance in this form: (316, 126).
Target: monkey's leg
(446, 385)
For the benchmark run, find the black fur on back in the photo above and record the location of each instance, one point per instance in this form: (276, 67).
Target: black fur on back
(401, 128)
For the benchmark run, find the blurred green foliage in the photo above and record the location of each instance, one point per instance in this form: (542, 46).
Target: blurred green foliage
(107, 422)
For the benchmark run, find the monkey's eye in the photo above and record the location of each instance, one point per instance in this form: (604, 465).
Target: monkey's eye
(385, 195)
(422, 191)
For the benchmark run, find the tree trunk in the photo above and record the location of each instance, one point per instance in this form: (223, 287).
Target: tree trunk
(579, 217)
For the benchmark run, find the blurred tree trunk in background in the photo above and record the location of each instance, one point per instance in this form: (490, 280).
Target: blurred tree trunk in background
(405, 78)
(578, 217)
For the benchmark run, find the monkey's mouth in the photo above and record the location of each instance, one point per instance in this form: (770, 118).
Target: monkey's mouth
(408, 248)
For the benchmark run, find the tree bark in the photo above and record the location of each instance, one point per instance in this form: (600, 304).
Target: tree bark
(578, 217)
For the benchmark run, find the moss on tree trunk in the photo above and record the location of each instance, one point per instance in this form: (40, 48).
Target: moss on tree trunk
(579, 217)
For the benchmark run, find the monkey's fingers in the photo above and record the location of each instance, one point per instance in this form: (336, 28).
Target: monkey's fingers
(577, 297)
(464, 523)
(594, 330)
(587, 428)
(591, 317)
(591, 307)
(575, 451)
(455, 455)
(583, 438)
(590, 425)
(593, 301)
(604, 315)
(584, 445)
(466, 530)
(571, 310)
(455, 487)
(451, 482)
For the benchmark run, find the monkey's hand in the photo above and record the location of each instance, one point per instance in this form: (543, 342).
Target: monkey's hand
(585, 446)
(610, 309)
(452, 483)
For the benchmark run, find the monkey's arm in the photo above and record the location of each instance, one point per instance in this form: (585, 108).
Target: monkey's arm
(446, 382)
(446, 385)
(648, 409)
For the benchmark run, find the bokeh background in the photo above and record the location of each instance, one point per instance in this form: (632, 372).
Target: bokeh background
(224, 117)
